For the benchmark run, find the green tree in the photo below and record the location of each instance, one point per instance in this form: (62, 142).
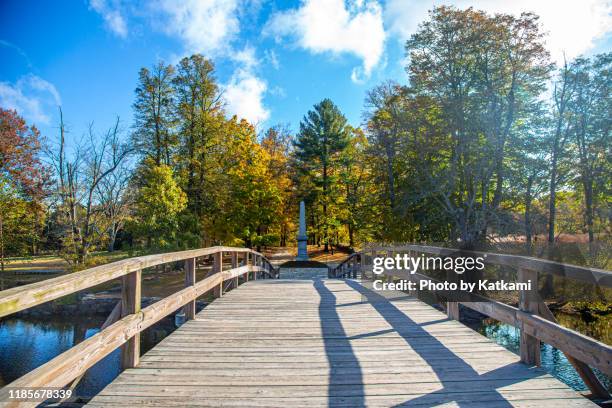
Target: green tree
(277, 142)
(323, 135)
(201, 120)
(590, 128)
(154, 115)
(354, 180)
(482, 71)
(158, 205)
(253, 197)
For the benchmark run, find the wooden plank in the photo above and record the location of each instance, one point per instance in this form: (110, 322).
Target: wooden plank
(69, 365)
(528, 302)
(579, 346)
(190, 279)
(130, 304)
(23, 297)
(218, 268)
(114, 315)
(584, 371)
(320, 343)
(534, 329)
(234, 266)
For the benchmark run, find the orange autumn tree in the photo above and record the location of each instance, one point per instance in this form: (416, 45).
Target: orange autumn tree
(22, 185)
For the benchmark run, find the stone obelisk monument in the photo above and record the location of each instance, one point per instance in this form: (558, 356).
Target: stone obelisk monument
(302, 237)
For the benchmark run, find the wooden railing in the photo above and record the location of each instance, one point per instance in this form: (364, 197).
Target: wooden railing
(532, 316)
(128, 320)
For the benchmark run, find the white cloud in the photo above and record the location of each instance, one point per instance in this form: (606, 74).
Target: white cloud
(32, 97)
(244, 96)
(113, 19)
(272, 58)
(246, 57)
(279, 92)
(205, 27)
(245, 90)
(320, 26)
(573, 26)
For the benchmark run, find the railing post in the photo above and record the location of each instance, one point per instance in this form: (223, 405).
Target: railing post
(130, 304)
(218, 268)
(528, 302)
(372, 255)
(362, 264)
(247, 261)
(452, 308)
(255, 263)
(235, 265)
(190, 278)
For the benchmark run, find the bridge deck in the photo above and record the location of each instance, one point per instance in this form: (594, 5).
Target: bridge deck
(329, 342)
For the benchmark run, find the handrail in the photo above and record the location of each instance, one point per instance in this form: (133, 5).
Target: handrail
(61, 370)
(23, 297)
(535, 321)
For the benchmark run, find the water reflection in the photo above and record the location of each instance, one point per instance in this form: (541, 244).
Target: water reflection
(27, 344)
(553, 360)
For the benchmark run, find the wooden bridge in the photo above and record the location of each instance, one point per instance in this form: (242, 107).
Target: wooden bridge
(324, 342)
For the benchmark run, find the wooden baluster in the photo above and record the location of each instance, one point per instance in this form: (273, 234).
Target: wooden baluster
(235, 265)
(362, 264)
(528, 302)
(389, 276)
(452, 308)
(218, 268)
(190, 279)
(247, 261)
(372, 255)
(255, 263)
(130, 304)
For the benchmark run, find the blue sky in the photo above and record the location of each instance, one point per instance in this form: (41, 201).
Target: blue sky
(274, 59)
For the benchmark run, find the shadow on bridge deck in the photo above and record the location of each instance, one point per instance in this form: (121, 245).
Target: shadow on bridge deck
(323, 342)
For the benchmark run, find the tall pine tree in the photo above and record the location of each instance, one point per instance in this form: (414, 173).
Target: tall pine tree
(323, 135)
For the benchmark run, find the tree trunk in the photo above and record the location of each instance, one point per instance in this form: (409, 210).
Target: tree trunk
(112, 238)
(325, 227)
(552, 203)
(528, 199)
(390, 176)
(588, 202)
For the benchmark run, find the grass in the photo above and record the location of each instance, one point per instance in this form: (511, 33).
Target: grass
(20, 271)
(50, 263)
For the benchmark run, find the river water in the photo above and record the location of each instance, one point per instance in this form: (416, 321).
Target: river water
(26, 344)
(553, 360)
